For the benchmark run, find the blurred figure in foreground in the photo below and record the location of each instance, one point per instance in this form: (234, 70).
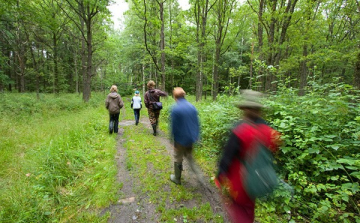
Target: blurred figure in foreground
(113, 104)
(150, 97)
(239, 202)
(185, 131)
(136, 106)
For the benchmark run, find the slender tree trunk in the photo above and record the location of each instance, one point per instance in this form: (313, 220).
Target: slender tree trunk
(162, 46)
(201, 23)
(261, 80)
(357, 71)
(76, 73)
(83, 61)
(143, 79)
(56, 68)
(251, 65)
(216, 71)
(198, 91)
(303, 71)
(88, 76)
(22, 61)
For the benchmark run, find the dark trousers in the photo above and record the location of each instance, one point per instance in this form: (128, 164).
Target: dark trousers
(137, 115)
(114, 123)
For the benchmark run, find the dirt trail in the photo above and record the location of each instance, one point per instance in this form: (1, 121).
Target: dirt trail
(133, 207)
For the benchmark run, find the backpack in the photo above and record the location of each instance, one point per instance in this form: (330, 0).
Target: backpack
(260, 178)
(156, 104)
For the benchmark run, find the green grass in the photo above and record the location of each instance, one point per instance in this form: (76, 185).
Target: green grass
(151, 164)
(57, 165)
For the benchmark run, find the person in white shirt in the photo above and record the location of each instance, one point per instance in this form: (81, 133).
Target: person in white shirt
(136, 105)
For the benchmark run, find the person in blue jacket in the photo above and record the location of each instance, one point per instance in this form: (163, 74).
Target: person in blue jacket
(185, 130)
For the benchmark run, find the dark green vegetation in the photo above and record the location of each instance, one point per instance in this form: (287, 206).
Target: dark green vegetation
(319, 157)
(58, 159)
(213, 47)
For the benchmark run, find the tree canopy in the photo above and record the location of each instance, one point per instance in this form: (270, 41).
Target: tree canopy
(216, 46)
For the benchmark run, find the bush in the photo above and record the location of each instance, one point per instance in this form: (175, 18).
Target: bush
(320, 155)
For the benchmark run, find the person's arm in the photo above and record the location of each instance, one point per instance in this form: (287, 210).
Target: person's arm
(161, 93)
(121, 103)
(230, 152)
(107, 103)
(146, 100)
(132, 102)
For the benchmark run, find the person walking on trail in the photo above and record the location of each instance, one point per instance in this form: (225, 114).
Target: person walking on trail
(136, 106)
(230, 178)
(150, 97)
(113, 104)
(185, 130)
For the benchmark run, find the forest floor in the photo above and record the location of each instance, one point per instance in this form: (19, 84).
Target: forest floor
(136, 198)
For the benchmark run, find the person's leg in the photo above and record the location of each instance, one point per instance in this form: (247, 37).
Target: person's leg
(137, 116)
(152, 119)
(116, 122)
(241, 213)
(195, 169)
(156, 114)
(178, 159)
(111, 123)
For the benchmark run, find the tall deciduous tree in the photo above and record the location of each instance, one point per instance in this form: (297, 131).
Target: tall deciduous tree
(83, 14)
(223, 11)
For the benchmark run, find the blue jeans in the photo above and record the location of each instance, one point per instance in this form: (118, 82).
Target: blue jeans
(137, 115)
(114, 123)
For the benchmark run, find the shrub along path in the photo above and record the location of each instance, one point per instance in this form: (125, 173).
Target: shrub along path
(146, 194)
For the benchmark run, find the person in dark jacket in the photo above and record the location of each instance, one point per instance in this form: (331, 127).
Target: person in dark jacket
(185, 130)
(113, 104)
(151, 96)
(239, 205)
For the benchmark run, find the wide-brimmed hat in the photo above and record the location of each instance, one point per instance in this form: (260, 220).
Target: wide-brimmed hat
(250, 99)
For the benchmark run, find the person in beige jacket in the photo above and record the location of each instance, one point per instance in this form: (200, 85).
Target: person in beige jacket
(113, 104)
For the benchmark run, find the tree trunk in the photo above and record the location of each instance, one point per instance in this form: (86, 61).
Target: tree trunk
(88, 76)
(216, 71)
(76, 73)
(261, 80)
(303, 71)
(357, 71)
(162, 46)
(251, 66)
(198, 87)
(22, 61)
(56, 68)
(201, 22)
(83, 62)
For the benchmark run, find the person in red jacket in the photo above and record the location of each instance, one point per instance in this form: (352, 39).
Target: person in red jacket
(240, 207)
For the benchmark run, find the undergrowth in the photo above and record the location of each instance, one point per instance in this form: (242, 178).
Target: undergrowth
(318, 161)
(57, 159)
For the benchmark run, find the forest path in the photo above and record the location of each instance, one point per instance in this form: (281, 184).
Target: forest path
(138, 205)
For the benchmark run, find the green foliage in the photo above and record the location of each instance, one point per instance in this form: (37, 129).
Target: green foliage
(319, 156)
(55, 167)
